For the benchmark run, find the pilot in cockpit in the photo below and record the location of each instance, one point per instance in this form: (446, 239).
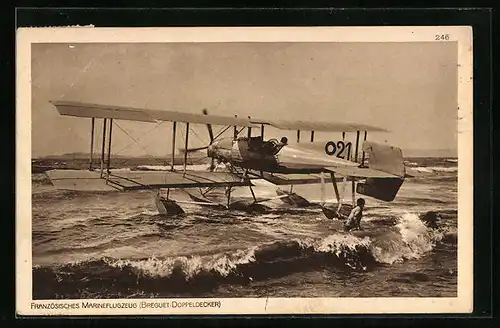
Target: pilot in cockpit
(273, 146)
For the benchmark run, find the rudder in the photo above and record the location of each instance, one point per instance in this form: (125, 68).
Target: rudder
(388, 159)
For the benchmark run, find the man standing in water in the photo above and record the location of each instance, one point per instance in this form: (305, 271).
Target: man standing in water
(353, 221)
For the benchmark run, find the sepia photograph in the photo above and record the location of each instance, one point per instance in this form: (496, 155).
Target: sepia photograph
(190, 169)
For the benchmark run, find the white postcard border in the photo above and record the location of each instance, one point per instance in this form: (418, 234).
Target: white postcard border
(462, 303)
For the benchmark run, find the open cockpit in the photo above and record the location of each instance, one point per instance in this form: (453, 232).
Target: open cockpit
(269, 147)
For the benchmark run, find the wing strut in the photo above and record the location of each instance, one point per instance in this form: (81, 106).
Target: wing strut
(298, 136)
(353, 192)
(186, 147)
(103, 145)
(109, 145)
(92, 143)
(235, 130)
(335, 187)
(249, 130)
(262, 131)
(363, 156)
(312, 136)
(357, 146)
(322, 189)
(174, 128)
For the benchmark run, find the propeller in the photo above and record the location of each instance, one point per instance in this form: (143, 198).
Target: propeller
(209, 127)
(211, 135)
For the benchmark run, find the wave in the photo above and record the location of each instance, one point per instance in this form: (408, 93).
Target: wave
(432, 169)
(414, 240)
(410, 163)
(103, 243)
(359, 251)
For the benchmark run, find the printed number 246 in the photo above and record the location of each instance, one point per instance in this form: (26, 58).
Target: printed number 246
(441, 37)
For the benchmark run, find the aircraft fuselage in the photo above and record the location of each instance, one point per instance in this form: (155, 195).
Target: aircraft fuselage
(273, 156)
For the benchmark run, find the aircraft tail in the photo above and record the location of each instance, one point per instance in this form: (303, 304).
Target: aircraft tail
(387, 159)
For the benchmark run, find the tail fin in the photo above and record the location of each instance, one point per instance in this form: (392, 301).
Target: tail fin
(387, 159)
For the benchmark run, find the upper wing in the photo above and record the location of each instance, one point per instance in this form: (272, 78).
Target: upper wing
(318, 126)
(81, 180)
(79, 109)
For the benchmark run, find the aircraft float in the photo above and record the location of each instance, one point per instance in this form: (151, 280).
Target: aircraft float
(374, 170)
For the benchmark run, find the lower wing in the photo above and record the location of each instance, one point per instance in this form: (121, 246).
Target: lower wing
(79, 180)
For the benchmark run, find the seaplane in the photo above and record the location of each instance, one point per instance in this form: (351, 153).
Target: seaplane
(373, 169)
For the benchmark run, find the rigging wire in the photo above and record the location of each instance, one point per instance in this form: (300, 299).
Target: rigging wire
(222, 131)
(189, 156)
(243, 128)
(141, 137)
(197, 135)
(135, 140)
(183, 133)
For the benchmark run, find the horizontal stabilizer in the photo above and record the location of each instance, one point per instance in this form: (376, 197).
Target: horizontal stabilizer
(360, 172)
(294, 179)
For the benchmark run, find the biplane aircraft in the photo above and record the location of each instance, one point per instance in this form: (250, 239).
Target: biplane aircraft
(374, 170)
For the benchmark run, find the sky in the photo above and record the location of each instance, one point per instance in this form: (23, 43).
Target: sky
(409, 89)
